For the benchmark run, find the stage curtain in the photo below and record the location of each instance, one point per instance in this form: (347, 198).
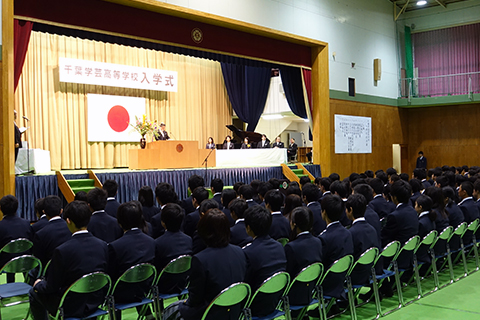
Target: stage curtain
(21, 35)
(247, 88)
(58, 111)
(292, 84)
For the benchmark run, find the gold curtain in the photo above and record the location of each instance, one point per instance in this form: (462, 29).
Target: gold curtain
(58, 111)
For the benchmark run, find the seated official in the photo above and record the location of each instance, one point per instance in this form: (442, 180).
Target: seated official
(292, 150)
(12, 227)
(210, 143)
(162, 133)
(238, 233)
(81, 255)
(280, 226)
(265, 257)
(147, 199)
(246, 144)
(102, 225)
(278, 143)
(111, 186)
(264, 143)
(228, 144)
(214, 269)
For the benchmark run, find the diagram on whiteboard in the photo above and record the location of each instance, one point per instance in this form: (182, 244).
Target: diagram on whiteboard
(353, 134)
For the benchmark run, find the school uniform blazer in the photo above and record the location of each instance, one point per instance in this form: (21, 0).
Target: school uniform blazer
(469, 209)
(11, 228)
(187, 205)
(301, 252)
(190, 222)
(372, 218)
(425, 226)
(111, 207)
(280, 227)
(80, 255)
(39, 224)
(238, 234)
(251, 203)
(455, 214)
(149, 212)
(229, 216)
(380, 206)
(218, 199)
(213, 270)
(157, 228)
(414, 197)
(104, 227)
(265, 257)
(364, 237)
(132, 248)
(440, 222)
(318, 223)
(47, 239)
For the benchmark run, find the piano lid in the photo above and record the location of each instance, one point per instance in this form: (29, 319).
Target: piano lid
(252, 136)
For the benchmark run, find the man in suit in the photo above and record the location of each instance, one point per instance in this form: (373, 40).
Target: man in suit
(18, 135)
(11, 227)
(265, 257)
(421, 161)
(162, 133)
(378, 203)
(193, 182)
(42, 217)
(292, 150)
(55, 233)
(238, 233)
(191, 220)
(280, 227)
(217, 187)
(111, 186)
(265, 143)
(102, 225)
(164, 193)
(228, 144)
(310, 196)
(80, 255)
(278, 143)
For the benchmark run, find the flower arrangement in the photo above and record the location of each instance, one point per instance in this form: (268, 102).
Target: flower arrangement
(145, 126)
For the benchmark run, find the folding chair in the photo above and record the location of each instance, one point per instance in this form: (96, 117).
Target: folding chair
(87, 284)
(283, 241)
(176, 266)
(278, 283)
(229, 298)
(353, 289)
(409, 246)
(460, 251)
(473, 227)
(136, 274)
(427, 243)
(20, 245)
(442, 251)
(308, 276)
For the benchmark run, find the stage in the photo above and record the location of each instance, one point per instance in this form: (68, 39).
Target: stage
(31, 187)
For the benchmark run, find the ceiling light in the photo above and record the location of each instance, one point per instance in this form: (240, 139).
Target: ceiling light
(421, 3)
(272, 116)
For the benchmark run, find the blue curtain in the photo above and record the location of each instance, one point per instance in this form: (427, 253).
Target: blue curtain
(292, 84)
(247, 88)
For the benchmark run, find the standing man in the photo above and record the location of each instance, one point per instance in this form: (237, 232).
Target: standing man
(421, 161)
(162, 133)
(18, 136)
(278, 143)
(292, 150)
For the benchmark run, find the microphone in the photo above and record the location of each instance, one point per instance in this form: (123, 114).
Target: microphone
(304, 140)
(173, 135)
(25, 118)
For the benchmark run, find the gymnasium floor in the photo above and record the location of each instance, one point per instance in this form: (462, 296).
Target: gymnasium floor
(456, 301)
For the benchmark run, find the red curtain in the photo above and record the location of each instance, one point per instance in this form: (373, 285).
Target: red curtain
(21, 33)
(307, 78)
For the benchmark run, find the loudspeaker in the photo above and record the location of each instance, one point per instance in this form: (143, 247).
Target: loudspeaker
(351, 87)
(377, 69)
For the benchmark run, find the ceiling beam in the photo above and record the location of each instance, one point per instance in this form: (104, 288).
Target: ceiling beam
(440, 2)
(401, 11)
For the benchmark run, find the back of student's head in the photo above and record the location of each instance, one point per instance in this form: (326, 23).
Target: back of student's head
(437, 196)
(195, 181)
(255, 183)
(81, 196)
(111, 186)
(310, 192)
(382, 176)
(425, 202)
(227, 196)
(401, 190)
(404, 176)
(419, 173)
(52, 206)
(391, 171)
(365, 190)
(302, 218)
(274, 198)
(129, 215)
(333, 206)
(78, 213)
(340, 188)
(357, 203)
(442, 181)
(353, 176)
(465, 168)
(217, 184)
(208, 204)
(451, 178)
(476, 185)
(304, 180)
(165, 193)
(275, 183)
(200, 194)
(325, 183)
(238, 206)
(9, 205)
(263, 188)
(356, 182)
(293, 190)
(369, 174)
(437, 171)
(236, 187)
(38, 207)
(246, 191)
(214, 229)
(467, 186)
(172, 216)
(334, 177)
(292, 201)
(145, 196)
(97, 199)
(416, 185)
(449, 193)
(259, 220)
(377, 185)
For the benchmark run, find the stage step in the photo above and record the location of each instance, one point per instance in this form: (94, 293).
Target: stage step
(70, 187)
(81, 183)
(296, 172)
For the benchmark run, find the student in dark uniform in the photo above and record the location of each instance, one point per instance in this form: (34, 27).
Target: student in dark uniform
(42, 217)
(264, 143)
(421, 161)
(192, 218)
(164, 193)
(371, 217)
(280, 227)
(378, 203)
(227, 196)
(216, 185)
(310, 195)
(147, 199)
(238, 233)
(194, 182)
(438, 206)
(246, 193)
(467, 204)
(111, 186)
(102, 225)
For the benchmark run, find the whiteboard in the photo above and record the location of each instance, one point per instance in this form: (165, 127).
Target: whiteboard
(353, 134)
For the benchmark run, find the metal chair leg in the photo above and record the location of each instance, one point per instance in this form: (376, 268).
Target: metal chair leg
(351, 299)
(417, 277)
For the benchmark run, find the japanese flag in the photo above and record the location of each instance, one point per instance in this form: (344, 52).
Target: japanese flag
(109, 117)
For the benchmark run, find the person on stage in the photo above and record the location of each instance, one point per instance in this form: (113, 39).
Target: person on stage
(228, 144)
(292, 150)
(265, 143)
(162, 133)
(210, 143)
(246, 144)
(18, 136)
(278, 143)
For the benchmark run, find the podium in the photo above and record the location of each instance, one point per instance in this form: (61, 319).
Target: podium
(169, 154)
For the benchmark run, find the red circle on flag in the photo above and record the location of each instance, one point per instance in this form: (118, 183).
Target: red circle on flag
(118, 118)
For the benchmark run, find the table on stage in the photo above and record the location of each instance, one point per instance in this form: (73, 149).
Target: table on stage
(39, 161)
(251, 157)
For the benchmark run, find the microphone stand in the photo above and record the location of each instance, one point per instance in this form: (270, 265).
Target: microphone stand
(206, 162)
(28, 152)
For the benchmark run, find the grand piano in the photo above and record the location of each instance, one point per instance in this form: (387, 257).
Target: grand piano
(254, 137)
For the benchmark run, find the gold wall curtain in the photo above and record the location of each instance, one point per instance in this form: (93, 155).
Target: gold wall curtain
(58, 111)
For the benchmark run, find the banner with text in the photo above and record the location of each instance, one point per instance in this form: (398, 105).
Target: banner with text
(116, 75)
(353, 134)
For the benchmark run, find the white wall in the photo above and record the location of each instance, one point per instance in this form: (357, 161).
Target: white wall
(356, 30)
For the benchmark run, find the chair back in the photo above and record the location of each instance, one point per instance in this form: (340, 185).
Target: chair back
(283, 241)
(411, 244)
(429, 240)
(461, 229)
(274, 284)
(22, 264)
(368, 257)
(310, 273)
(231, 296)
(17, 246)
(341, 265)
(178, 265)
(137, 273)
(446, 234)
(473, 226)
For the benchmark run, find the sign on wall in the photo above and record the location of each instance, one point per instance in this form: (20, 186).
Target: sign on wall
(116, 75)
(353, 134)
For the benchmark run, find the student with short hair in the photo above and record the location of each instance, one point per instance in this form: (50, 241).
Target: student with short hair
(191, 219)
(246, 193)
(194, 182)
(455, 214)
(309, 196)
(280, 227)
(111, 186)
(102, 225)
(42, 217)
(164, 193)
(227, 196)
(147, 199)
(467, 204)
(369, 215)
(197, 242)
(238, 233)
(216, 185)
(341, 189)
